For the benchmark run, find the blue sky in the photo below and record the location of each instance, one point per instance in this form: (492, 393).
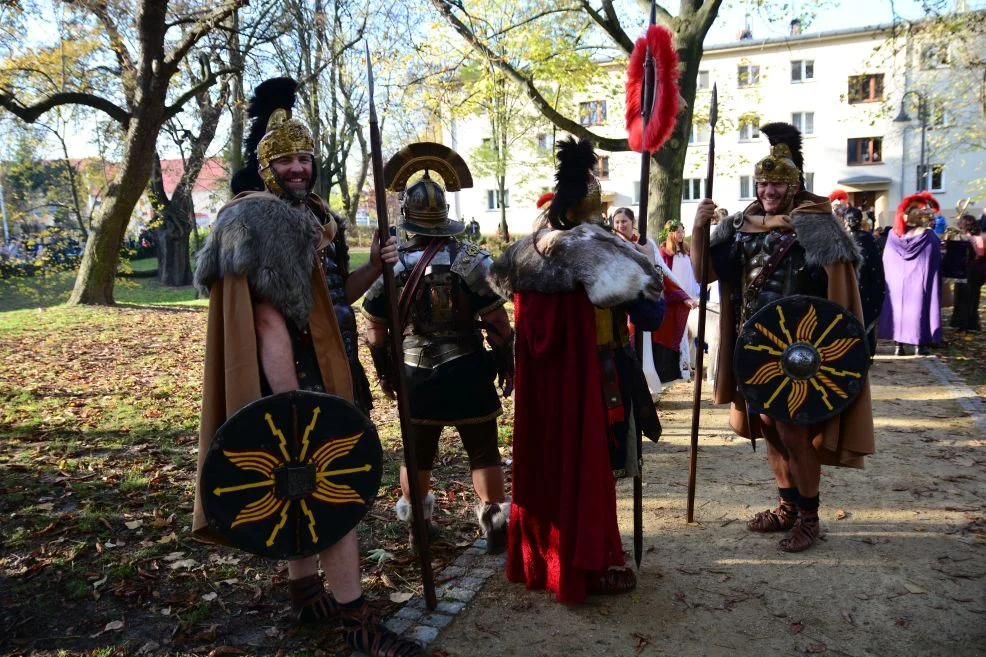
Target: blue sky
(836, 14)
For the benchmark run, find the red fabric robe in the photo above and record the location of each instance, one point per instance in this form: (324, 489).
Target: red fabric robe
(563, 528)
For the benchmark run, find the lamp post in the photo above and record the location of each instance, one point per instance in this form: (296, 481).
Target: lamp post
(923, 116)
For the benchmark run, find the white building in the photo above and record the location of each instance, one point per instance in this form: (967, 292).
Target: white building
(842, 88)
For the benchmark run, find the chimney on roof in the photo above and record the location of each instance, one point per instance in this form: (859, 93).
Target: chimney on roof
(795, 27)
(746, 32)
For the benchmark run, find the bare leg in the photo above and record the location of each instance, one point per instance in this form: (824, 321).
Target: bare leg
(488, 483)
(424, 482)
(341, 565)
(298, 568)
(802, 459)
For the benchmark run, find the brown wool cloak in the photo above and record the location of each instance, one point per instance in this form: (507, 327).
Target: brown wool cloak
(845, 439)
(232, 363)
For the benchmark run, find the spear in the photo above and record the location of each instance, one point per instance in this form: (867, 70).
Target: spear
(646, 105)
(702, 303)
(395, 335)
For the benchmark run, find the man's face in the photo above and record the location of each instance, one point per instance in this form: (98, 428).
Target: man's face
(772, 196)
(623, 225)
(295, 172)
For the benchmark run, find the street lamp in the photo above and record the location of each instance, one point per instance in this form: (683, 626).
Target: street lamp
(923, 116)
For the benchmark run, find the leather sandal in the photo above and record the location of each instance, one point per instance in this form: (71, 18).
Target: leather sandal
(613, 582)
(780, 519)
(802, 536)
(363, 631)
(310, 602)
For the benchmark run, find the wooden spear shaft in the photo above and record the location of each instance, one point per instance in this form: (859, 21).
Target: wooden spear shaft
(702, 306)
(395, 336)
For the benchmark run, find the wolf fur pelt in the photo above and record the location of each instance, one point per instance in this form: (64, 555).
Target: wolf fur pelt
(612, 271)
(825, 242)
(260, 237)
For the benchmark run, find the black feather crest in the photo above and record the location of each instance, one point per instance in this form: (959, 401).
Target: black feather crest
(575, 160)
(270, 95)
(785, 133)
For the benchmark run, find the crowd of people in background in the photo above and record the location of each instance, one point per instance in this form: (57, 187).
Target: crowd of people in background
(930, 264)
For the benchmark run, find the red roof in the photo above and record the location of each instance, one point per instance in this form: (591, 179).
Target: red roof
(213, 176)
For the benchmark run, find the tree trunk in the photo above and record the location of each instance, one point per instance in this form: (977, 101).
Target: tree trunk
(94, 282)
(174, 264)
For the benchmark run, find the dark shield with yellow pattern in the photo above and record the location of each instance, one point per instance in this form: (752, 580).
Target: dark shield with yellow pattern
(801, 359)
(289, 475)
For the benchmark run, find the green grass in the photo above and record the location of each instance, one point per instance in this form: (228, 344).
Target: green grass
(54, 289)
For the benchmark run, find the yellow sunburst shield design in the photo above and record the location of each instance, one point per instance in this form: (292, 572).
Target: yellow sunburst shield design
(291, 474)
(807, 375)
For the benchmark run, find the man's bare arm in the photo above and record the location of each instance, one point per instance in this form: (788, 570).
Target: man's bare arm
(274, 344)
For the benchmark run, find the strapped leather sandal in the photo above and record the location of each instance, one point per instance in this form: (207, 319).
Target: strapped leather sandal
(310, 602)
(613, 582)
(780, 519)
(802, 536)
(363, 631)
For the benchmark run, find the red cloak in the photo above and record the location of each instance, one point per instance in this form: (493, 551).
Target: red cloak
(563, 527)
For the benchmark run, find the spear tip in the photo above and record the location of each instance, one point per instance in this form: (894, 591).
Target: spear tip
(714, 106)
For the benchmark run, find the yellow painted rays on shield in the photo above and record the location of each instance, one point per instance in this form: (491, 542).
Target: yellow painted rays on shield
(803, 338)
(266, 463)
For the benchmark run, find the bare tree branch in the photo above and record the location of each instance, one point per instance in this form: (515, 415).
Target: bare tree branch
(527, 84)
(610, 23)
(199, 30)
(30, 113)
(171, 110)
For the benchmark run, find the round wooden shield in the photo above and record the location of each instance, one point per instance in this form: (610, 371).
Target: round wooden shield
(290, 474)
(801, 359)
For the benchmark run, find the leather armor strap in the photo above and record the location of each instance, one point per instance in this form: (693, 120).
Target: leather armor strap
(769, 267)
(414, 280)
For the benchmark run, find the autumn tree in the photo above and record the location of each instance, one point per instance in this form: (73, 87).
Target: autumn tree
(143, 48)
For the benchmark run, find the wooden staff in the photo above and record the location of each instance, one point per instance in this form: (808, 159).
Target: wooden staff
(702, 304)
(395, 335)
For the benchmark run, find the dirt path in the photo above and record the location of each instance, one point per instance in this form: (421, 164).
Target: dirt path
(901, 569)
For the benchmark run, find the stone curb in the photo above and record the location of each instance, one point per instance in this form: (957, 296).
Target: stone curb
(964, 396)
(455, 586)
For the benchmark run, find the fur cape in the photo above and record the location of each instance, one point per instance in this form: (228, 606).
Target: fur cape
(258, 236)
(824, 240)
(612, 271)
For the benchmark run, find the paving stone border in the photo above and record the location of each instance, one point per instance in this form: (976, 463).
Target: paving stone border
(965, 396)
(455, 586)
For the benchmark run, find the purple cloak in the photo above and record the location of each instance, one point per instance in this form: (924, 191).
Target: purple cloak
(912, 308)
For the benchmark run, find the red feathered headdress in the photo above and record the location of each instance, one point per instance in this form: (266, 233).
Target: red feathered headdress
(544, 198)
(919, 201)
(664, 112)
(839, 195)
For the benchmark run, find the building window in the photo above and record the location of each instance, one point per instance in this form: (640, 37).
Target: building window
(747, 75)
(691, 189)
(937, 114)
(749, 128)
(802, 70)
(702, 80)
(601, 170)
(804, 121)
(934, 55)
(592, 112)
(699, 134)
(809, 181)
(747, 188)
(933, 178)
(493, 199)
(636, 192)
(865, 88)
(864, 150)
(546, 141)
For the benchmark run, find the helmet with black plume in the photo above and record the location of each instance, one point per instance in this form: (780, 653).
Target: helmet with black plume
(785, 163)
(578, 196)
(273, 134)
